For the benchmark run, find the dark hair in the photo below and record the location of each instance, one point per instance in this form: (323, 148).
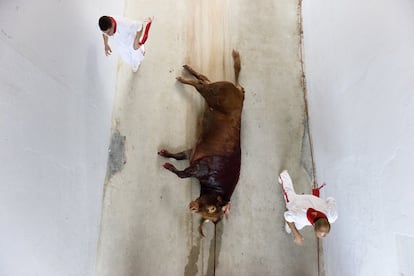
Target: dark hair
(105, 23)
(322, 222)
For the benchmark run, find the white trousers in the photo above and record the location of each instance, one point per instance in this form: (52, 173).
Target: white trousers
(287, 187)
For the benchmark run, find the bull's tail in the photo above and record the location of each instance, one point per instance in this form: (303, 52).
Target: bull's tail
(237, 68)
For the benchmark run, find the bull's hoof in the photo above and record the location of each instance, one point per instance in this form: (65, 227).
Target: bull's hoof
(169, 167)
(180, 79)
(163, 153)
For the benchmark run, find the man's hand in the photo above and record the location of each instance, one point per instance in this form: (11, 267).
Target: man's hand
(108, 50)
(298, 239)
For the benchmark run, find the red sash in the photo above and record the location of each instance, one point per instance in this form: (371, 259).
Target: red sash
(145, 37)
(313, 215)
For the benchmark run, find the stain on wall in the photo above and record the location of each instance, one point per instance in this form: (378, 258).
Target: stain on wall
(116, 156)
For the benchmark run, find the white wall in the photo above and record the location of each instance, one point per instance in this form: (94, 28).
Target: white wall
(360, 76)
(57, 90)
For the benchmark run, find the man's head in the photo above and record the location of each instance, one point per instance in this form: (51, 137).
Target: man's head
(106, 25)
(322, 227)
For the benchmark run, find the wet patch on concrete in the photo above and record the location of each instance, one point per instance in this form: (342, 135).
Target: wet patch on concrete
(191, 267)
(116, 157)
(195, 256)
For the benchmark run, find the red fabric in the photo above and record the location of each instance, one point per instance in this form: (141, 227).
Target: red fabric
(315, 192)
(114, 24)
(145, 37)
(285, 194)
(313, 215)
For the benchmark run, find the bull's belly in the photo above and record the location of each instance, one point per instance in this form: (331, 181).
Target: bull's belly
(226, 148)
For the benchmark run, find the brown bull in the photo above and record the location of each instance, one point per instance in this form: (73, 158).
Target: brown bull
(215, 159)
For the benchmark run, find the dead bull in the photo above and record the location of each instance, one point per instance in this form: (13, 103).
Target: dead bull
(215, 159)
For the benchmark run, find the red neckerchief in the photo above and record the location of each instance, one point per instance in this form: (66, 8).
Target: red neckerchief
(313, 215)
(145, 36)
(113, 23)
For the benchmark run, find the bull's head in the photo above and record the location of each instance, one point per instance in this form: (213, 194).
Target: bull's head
(209, 207)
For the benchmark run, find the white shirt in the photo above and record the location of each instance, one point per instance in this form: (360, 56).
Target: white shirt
(126, 31)
(299, 204)
(123, 40)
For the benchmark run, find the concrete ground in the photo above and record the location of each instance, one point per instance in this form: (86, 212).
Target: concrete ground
(146, 226)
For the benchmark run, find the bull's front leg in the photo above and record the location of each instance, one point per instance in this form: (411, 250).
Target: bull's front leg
(197, 170)
(188, 172)
(178, 156)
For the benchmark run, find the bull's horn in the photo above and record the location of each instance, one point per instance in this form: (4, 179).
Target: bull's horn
(200, 228)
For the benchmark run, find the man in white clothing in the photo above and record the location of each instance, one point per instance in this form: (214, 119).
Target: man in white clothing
(127, 36)
(303, 210)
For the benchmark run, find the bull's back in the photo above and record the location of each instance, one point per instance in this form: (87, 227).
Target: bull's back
(219, 135)
(223, 96)
(220, 126)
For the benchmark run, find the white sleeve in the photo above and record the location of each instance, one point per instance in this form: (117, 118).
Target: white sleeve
(136, 26)
(132, 26)
(289, 216)
(332, 213)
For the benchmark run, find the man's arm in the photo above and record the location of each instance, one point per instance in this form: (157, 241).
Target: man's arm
(108, 49)
(137, 42)
(137, 37)
(297, 237)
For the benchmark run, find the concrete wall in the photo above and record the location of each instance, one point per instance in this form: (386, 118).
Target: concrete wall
(360, 68)
(57, 91)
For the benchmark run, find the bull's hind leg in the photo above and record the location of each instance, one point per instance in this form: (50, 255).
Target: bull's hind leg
(196, 74)
(200, 79)
(178, 156)
(195, 83)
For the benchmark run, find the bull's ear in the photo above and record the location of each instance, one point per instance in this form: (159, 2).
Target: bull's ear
(219, 200)
(193, 206)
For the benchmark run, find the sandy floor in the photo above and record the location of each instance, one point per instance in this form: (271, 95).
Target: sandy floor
(146, 226)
